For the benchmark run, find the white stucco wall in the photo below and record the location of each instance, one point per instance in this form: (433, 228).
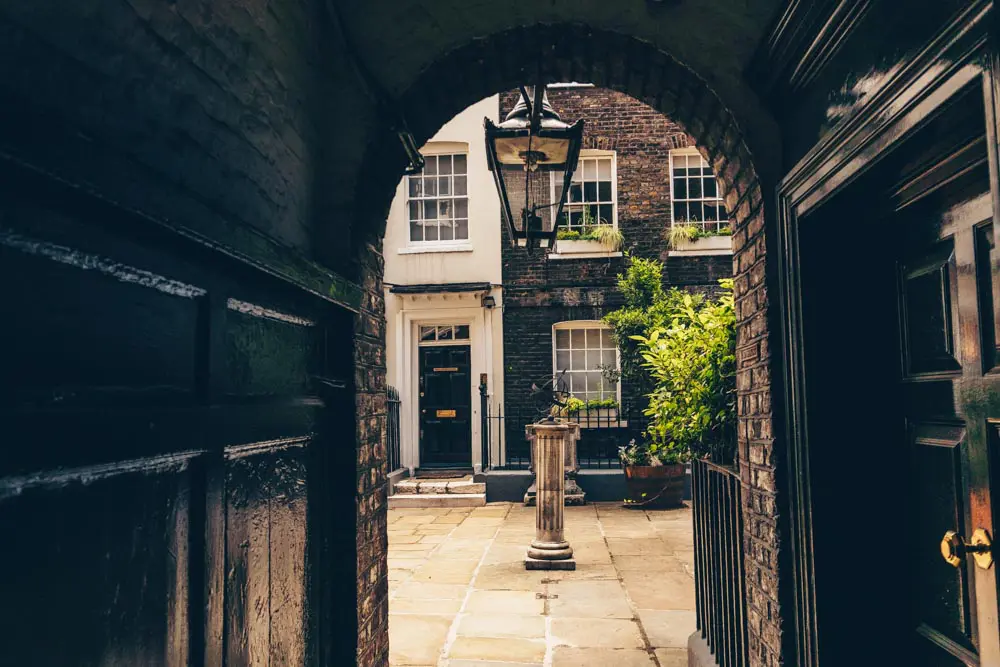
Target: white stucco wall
(480, 259)
(472, 261)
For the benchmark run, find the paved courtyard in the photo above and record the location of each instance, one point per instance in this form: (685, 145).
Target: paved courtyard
(459, 595)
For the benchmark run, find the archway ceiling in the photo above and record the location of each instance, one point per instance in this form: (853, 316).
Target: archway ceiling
(715, 38)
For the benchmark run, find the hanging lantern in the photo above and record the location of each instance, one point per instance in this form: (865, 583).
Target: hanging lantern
(532, 155)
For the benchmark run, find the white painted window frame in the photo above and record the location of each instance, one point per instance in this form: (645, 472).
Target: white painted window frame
(440, 149)
(595, 154)
(570, 325)
(689, 151)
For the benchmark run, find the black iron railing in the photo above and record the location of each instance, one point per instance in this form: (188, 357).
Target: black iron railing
(718, 562)
(602, 432)
(392, 427)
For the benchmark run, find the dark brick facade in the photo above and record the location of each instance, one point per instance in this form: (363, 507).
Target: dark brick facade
(539, 292)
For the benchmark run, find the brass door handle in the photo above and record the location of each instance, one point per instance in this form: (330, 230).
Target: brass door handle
(954, 548)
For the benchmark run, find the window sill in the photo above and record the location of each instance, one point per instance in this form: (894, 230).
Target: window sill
(443, 247)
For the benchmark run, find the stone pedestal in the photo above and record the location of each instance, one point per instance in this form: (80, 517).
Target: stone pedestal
(550, 550)
(574, 494)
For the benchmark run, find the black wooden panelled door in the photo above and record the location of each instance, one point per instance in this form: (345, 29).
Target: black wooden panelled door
(948, 289)
(445, 406)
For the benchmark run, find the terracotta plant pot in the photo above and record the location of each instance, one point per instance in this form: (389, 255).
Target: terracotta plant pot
(655, 486)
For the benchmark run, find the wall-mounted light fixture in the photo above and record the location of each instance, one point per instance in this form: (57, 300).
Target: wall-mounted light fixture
(489, 301)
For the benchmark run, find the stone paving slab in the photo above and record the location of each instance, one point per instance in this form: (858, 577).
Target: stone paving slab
(459, 595)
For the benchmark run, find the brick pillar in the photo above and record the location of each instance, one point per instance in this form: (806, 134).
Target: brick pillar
(372, 540)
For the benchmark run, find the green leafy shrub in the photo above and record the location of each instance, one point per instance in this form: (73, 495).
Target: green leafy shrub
(692, 361)
(646, 306)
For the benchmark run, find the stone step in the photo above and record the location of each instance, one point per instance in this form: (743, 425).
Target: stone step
(463, 486)
(404, 500)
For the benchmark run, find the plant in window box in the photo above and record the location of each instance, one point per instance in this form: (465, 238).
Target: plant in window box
(594, 413)
(654, 473)
(683, 235)
(591, 229)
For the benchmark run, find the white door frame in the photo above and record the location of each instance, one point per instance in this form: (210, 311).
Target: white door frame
(408, 323)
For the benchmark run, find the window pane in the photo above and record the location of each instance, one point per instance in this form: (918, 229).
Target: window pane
(608, 358)
(444, 185)
(710, 188)
(446, 231)
(430, 187)
(430, 166)
(427, 333)
(578, 360)
(680, 188)
(604, 191)
(415, 186)
(430, 210)
(694, 188)
(562, 360)
(444, 208)
(461, 208)
(444, 164)
(460, 186)
(444, 333)
(606, 215)
(462, 332)
(604, 169)
(414, 210)
(594, 382)
(590, 191)
(430, 231)
(711, 213)
(606, 340)
(594, 360)
(416, 231)
(462, 229)
(562, 339)
(460, 162)
(589, 170)
(680, 212)
(695, 214)
(578, 339)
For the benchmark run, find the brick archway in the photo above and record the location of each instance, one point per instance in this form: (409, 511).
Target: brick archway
(571, 52)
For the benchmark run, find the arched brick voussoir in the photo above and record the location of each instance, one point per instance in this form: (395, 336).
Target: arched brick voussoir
(562, 52)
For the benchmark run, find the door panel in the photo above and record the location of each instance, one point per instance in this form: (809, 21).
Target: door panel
(445, 406)
(946, 304)
(167, 474)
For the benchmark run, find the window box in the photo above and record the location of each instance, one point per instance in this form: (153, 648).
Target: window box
(588, 247)
(597, 418)
(706, 245)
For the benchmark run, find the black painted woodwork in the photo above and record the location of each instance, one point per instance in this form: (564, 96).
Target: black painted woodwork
(445, 388)
(897, 341)
(177, 469)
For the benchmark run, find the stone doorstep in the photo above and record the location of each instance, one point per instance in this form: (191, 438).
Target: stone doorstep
(401, 500)
(459, 486)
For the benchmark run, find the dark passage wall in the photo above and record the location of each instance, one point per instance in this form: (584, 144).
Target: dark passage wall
(179, 460)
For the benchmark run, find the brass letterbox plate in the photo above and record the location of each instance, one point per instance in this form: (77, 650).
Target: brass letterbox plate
(449, 369)
(446, 413)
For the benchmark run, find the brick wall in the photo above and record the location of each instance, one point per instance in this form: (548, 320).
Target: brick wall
(372, 538)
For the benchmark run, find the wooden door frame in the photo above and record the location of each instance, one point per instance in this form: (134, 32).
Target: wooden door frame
(886, 119)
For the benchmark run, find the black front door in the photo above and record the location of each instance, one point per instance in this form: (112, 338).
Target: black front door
(445, 406)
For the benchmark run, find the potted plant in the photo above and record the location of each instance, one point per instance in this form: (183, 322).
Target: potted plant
(654, 473)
